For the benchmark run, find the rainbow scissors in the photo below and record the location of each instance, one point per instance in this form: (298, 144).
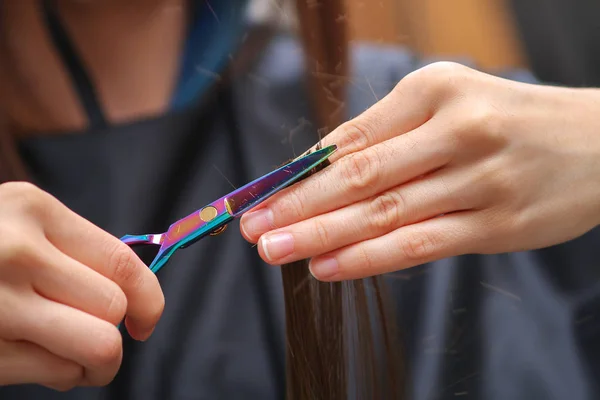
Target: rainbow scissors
(213, 218)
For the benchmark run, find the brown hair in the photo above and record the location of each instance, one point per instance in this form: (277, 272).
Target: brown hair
(340, 337)
(11, 166)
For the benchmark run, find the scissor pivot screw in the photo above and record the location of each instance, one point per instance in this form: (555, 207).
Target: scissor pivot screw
(218, 231)
(208, 213)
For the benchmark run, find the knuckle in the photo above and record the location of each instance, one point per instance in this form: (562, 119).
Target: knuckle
(418, 247)
(483, 129)
(437, 79)
(117, 306)
(481, 116)
(357, 134)
(386, 211)
(16, 248)
(446, 72)
(485, 121)
(293, 205)
(366, 262)
(107, 351)
(322, 233)
(359, 171)
(446, 69)
(25, 195)
(122, 263)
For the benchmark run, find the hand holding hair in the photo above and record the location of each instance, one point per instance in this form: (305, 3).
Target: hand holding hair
(453, 161)
(64, 286)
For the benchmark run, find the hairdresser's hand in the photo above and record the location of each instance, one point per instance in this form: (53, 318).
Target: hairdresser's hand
(64, 286)
(453, 161)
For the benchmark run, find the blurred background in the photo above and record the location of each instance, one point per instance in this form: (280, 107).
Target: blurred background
(482, 30)
(556, 39)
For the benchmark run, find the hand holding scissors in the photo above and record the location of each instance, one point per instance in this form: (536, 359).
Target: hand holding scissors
(65, 283)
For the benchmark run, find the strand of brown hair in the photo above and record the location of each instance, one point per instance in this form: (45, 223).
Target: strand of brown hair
(341, 336)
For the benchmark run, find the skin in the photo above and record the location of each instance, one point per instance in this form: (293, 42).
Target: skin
(123, 44)
(64, 283)
(64, 286)
(453, 161)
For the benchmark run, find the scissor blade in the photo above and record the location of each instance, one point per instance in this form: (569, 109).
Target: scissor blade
(254, 193)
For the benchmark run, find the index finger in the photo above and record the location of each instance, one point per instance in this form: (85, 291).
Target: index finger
(409, 105)
(104, 253)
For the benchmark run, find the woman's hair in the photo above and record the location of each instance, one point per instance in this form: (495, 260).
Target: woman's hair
(340, 337)
(11, 166)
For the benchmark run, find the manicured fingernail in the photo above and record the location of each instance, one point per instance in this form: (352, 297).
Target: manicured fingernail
(258, 222)
(277, 246)
(323, 268)
(146, 335)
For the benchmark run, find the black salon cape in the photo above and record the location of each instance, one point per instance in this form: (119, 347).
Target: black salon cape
(511, 326)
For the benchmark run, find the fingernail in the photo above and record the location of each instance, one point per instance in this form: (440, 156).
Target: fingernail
(258, 222)
(323, 268)
(141, 335)
(147, 334)
(277, 246)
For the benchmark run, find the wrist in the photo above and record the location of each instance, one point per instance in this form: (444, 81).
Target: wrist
(568, 120)
(586, 122)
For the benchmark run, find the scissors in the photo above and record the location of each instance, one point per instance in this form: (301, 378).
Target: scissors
(213, 218)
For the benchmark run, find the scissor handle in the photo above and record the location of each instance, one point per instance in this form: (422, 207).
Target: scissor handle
(159, 260)
(164, 253)
(134, 240)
